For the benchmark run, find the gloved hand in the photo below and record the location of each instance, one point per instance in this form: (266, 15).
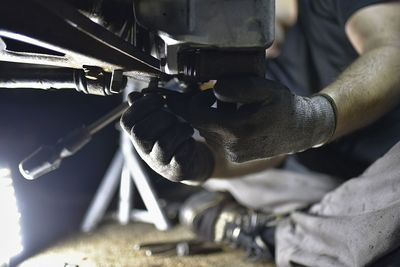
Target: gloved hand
(269, 120)
(164, 141)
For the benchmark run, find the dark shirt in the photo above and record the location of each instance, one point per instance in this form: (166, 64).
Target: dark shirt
(315, 52)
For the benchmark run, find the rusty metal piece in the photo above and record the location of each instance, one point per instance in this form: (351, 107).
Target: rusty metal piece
(178, 248)
(190, 249)
(144, 246)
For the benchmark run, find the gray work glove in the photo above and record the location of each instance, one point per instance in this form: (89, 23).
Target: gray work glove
(267, 120)
(164, 141)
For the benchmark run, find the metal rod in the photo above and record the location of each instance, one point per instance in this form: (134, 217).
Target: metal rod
(48, 158)
(80, 39)
(107, 119)
(39, 78)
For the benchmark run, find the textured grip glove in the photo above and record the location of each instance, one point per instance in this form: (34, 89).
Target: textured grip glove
(268, 120)
(164, 142)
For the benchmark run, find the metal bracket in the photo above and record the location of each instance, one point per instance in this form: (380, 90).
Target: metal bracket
(56, 26)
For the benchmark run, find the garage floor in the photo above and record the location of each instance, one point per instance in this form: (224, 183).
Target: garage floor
(112, 245)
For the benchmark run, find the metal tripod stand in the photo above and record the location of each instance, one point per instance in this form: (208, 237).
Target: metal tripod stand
(127, 170)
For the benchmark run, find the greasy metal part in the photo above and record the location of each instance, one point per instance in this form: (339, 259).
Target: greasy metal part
(39, 59)
(85, 81)
(210, 39)
(42, 78)
(214, 23)
(169, 244)
(190, 249)
(165, 248)
(48, 158)
(160, 250)
(118, 81)
(98, 81)
(208, 64)
(179, 248)
(87, 44)
(213, 38)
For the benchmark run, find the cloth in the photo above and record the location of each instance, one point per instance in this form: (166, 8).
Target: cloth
(359, 222)
(316, 50)
(354, 225)
(276, 191)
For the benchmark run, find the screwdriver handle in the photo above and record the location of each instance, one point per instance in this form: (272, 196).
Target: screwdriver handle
(48, 158)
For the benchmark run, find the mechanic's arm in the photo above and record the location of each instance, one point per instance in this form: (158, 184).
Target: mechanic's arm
(286, 12)
(365, 91)
(369, 87)
(269, 120)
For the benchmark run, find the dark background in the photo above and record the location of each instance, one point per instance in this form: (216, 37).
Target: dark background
(52, 207)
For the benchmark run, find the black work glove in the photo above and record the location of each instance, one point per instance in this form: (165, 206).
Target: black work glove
(164, 141)
(267, 120)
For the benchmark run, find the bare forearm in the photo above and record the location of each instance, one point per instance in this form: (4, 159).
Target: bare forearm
(226, 170)
(367, 89)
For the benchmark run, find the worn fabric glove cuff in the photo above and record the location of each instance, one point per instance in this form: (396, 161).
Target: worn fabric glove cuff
(325, 119)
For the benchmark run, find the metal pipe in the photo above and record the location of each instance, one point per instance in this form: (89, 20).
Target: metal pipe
(89, 81)
(41, 78)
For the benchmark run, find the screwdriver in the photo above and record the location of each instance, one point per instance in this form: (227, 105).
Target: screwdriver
(48, 158)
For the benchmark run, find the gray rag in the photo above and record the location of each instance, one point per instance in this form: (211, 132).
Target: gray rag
(275, 191)
(353, 225)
